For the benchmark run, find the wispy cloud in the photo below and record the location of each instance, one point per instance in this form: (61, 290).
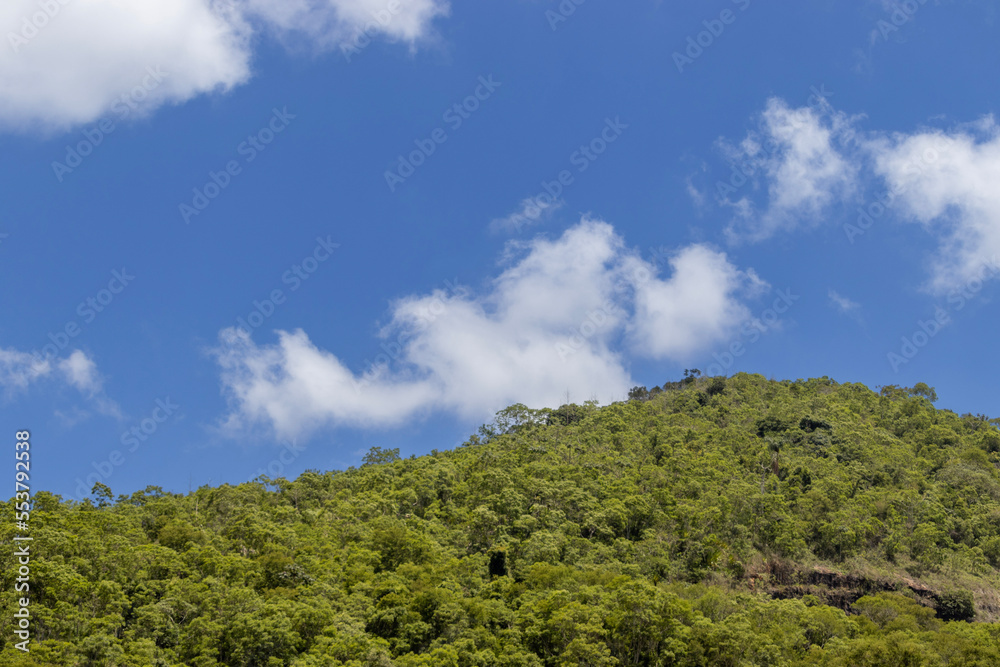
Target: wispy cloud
(843, 304)
(811, 160)
(697, 196)
(531, 212)
(80, 371)
(19, 370)
(795, 153)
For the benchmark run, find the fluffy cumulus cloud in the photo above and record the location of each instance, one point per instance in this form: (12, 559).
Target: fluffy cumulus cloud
(948, 182)
(68, 62)
(699, 294)
(556, 320)
(797, 154)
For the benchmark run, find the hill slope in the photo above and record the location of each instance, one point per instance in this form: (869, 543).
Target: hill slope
(716, 521)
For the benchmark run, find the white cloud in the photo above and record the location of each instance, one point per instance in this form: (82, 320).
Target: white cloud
(948, 182)
(91, 52)
(842, 303)
(68, 65)
(337, 22)
(552, 322)
(700, 296)
(19, 370)
(81, 372)
(810, 159)
(697, 196)
(532, 211)
(805, 172)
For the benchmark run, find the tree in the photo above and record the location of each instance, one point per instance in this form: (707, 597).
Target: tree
(638, 393)
(645, 533)
(956, 606)
(103, 494)
(921, 389)
(377, 456)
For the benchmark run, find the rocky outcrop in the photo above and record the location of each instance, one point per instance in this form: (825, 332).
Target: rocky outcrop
(838, 589)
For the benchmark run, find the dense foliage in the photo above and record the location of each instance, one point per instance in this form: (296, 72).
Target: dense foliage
(713, 521)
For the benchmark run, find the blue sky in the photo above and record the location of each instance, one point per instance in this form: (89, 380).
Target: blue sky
(252, 236)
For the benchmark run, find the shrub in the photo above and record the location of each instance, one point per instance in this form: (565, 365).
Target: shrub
(956, 606)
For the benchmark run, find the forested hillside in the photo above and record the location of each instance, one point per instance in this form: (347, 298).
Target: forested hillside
(713, 521)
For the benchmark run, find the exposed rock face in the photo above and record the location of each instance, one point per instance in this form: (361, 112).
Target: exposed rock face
(837, 589)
